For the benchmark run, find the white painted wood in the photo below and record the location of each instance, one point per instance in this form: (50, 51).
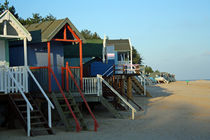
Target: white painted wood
(131, 57)
(19, 87)
(20, 75)
(104, 48)
(22, 32)
(2, 52)
(49, 115)
(39, 86)
(116, 93)
(5, 28)
(90, 85)
(25, 51)
(50, 105)
(28, 120)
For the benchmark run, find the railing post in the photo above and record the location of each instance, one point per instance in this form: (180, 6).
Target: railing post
(5, 80)
(49, 115)
(28, 120)
(132, 114)
(26, 78)
(98, 86)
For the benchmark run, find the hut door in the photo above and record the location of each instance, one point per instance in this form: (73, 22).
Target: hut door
(2, 51)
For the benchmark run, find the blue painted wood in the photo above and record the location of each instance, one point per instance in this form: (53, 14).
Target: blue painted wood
(100, 67)
(37, 56)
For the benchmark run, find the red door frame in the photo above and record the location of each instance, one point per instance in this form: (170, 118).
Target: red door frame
(66, 40)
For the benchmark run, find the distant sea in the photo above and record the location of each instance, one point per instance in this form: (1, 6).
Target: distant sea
(194, 80)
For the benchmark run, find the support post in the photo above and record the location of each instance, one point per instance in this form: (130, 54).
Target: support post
(25, 51)
(49, 116)
(67, 77)
(122, 85)
(25, 76)
(28, 120)
(81, 66)
(129, 87)
(49, 67)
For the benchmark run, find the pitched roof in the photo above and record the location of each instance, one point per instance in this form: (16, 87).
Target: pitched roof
(119, 44)
(15, 24)
(50, 28)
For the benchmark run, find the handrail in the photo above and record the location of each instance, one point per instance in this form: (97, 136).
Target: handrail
(18, 86)
(50, 105)
(133, 101)
(39, 86)
(107, 70)
(28, 105)
(124, 100)
(75, 118)
(81, 94)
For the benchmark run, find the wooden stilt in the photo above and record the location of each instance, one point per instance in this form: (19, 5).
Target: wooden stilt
(129, 87)
(122, 86)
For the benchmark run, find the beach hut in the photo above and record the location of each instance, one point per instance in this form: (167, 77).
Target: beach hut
(116, 52)
(14, 80)
(46, 59)
(46, 50)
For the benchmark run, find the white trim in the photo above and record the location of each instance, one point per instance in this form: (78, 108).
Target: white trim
(25, 51)
(22, 31)
(11, 36)
(131, 57)
(104, 48)
(116, 93)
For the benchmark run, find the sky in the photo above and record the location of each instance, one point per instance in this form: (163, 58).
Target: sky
(171, 35)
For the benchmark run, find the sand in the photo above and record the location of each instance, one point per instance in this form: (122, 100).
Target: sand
(176, 111)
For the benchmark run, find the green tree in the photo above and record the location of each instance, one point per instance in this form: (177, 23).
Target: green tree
(49, 17)
(157, 71)
(5, 6)
(36, 17)
(137, 59)
(148, 70)
(87, 34)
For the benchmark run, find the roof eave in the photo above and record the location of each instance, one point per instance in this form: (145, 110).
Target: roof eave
(60, 26)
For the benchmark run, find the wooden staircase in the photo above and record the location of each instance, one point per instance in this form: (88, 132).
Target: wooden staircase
(110, 107)
(65, 113)
(112, 98)
(117, 87)
(138, 88)
(39, 124)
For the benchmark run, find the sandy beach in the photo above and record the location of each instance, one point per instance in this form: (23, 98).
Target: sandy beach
(176, 111)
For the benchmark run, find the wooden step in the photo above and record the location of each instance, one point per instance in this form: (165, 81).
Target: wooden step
(61, 107)
(37, 118)
(37, 123)
(40, 129)
(110, 107)
(34, 111)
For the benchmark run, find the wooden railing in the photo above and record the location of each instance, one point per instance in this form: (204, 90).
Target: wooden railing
(68, 71)
(120, 97)
(89, 85)
(7, 85)
(19, 88)
(50, 105)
